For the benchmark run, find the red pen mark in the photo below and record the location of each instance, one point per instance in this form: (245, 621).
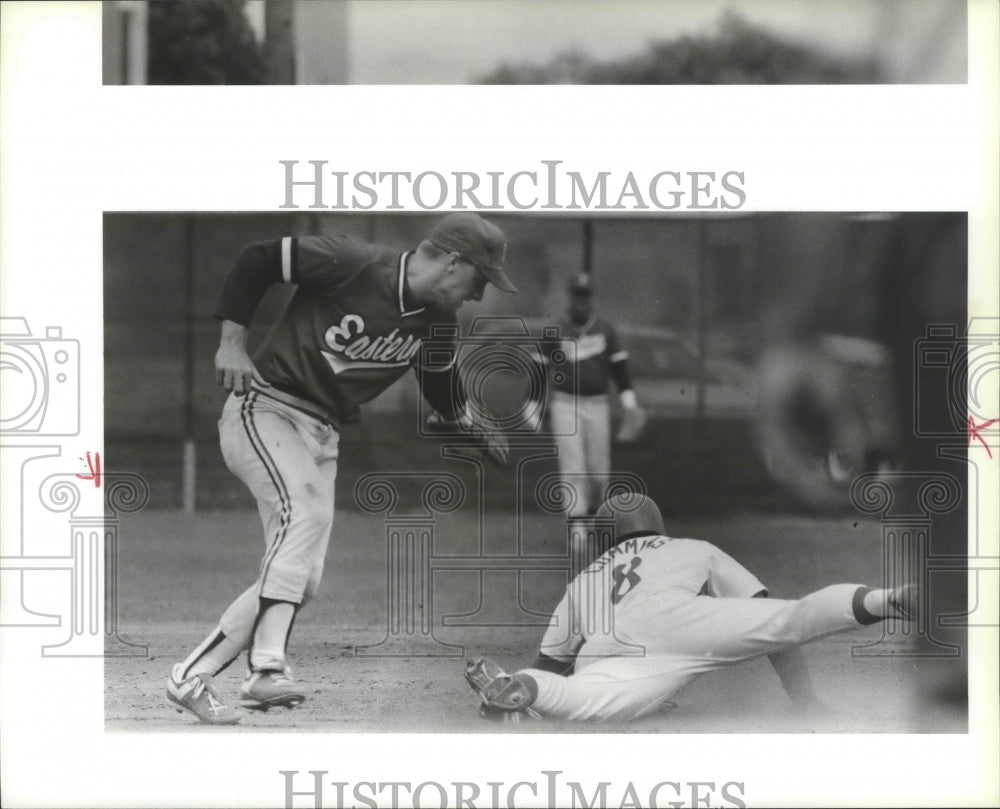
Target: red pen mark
(95, 469)
(974, 433)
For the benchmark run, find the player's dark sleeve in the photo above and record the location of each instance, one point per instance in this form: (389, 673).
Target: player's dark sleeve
(618, 358)
(440, 382)
(328, 262)
(443, 390)
(619, 372)
(555, 665)
(257, 267)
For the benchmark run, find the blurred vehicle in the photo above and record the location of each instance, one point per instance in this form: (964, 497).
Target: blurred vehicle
(668, 378)
(670, 381)
(663, 365)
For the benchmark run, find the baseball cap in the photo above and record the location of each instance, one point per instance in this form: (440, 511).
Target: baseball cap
(580, 285)
(477, 241)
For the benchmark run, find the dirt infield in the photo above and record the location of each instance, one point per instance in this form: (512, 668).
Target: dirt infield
(362, 673)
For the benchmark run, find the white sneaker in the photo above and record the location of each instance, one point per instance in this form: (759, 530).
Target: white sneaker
(263, 690)
(197, 696)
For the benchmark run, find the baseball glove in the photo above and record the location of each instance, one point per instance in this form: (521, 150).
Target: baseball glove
(487, 438)
(491, 440)
(632, 425)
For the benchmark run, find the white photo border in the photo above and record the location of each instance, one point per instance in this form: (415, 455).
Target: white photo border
(73, 149)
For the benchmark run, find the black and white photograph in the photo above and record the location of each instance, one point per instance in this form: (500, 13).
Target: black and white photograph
(616, 42)
(750, 383)
(376, 432)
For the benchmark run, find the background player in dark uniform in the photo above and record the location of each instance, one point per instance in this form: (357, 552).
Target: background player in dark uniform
(354, 326)
(579, 404)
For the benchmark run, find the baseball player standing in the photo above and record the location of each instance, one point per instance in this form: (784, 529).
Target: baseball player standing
(664, 631)
(589, 360)
(353, 326)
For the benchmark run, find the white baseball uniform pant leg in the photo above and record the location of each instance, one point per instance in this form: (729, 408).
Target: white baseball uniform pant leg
(700, 635)
(582, 427)
(595, 414)
(288, 460)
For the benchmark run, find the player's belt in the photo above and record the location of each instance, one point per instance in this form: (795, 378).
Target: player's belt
(304, 405)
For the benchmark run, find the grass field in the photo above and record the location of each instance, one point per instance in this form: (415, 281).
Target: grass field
(178, 572)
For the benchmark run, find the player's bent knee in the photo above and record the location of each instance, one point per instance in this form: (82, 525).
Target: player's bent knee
(312, 587)
(312, 508)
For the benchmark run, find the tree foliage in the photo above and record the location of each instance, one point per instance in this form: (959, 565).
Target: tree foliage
(202, 42)
(738, 53)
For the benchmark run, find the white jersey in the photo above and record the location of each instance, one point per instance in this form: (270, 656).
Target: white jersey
(627, 600)
(654, 612)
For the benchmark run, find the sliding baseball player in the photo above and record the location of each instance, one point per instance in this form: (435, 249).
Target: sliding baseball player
(678, 608)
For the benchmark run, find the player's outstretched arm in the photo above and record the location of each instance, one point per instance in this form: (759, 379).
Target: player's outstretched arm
(443, 389)
(234, 370)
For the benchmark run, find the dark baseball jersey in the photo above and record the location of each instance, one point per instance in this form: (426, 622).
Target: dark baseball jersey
(592, 351)
(348, 332)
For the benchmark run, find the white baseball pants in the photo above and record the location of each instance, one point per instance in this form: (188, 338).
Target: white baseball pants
(703, 634)
(582, 428)
(288, 460)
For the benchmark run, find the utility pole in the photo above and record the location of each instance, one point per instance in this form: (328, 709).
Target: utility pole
(279, 41)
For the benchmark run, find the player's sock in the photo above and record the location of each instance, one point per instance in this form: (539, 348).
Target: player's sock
(871, 605)
(240, 617)
(530, 686)
(228, 639)
(288, 632)
(271, 634)
(216, 657)
(213, 637)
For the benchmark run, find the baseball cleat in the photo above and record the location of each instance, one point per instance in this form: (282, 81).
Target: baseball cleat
(500, 692)
(198, 697)
(492, 714)
(903, 600)
(264, 690)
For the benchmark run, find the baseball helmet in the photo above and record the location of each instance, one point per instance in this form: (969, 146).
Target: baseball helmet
(633, 513)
